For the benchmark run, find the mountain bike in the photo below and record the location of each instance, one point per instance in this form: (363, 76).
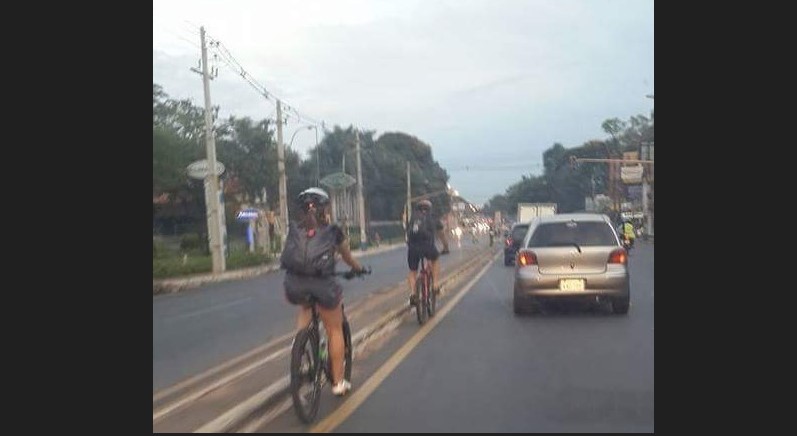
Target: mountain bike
(311, 366)
(424, 294)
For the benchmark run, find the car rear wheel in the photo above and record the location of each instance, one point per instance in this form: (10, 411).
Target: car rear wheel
(620, 305)
(517, 306)
(522, 306)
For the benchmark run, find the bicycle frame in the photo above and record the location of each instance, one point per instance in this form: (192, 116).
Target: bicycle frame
(319, 370)
(425, 274)
(423, 287)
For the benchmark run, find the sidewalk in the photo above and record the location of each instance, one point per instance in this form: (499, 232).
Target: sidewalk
(177, 284)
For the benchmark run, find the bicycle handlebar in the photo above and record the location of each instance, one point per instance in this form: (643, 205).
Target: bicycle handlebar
(348, 275)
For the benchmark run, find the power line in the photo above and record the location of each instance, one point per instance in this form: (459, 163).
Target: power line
(176, 35)
(495, 167)
(181, 33)
(237, 68)
(192, 27)
(233, 63)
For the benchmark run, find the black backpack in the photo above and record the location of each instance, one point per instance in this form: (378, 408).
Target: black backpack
(309, 252)
(421, 228)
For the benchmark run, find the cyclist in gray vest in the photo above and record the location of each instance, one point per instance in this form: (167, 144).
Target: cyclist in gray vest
(315, 220)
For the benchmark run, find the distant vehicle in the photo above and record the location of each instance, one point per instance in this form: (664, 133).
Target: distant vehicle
(512, 241)
(527, 211)
(572, 257)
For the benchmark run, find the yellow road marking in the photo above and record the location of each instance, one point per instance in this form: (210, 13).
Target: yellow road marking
(334, 419)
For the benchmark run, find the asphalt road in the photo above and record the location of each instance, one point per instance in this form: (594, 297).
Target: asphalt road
(480, 368)
(197, 329)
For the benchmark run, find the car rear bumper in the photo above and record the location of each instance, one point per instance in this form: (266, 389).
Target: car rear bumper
(510, 253)
(608, 284)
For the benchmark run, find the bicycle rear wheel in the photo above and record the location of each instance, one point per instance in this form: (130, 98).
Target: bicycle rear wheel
(306, 375)
(421, 309)
(432, 306)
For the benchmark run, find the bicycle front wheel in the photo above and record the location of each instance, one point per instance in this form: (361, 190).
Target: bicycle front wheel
(421, 309)
(306, 375)
(432, 306)
(347, 350)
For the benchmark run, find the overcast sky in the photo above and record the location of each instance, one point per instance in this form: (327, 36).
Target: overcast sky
(489, 84)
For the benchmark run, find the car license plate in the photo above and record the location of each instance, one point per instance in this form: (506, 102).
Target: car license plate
(571, 285)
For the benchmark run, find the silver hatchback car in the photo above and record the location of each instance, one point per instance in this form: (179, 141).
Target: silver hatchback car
(572, 257)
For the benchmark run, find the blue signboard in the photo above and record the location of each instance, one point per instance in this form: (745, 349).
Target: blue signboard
(247, 214)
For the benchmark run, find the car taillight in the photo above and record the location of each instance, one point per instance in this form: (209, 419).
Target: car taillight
(526, 258)
(619, 256)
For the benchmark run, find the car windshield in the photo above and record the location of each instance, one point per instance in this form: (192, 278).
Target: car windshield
(519, 232)
(585, 234)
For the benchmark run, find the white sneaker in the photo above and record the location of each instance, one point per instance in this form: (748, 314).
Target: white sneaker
(341, 388)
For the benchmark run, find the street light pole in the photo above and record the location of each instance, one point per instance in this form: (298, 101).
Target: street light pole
(297, 131)
(360, 200)
(317, 159)
(409, 200)
(317, 156)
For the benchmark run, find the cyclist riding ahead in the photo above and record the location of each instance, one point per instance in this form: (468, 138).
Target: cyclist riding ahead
(421, 232)
(309, 260)
(629, 232)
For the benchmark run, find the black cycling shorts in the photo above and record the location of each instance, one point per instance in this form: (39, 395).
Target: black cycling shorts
(416, 252)
(326, 290)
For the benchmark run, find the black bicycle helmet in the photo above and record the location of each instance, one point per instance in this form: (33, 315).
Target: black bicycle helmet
(316, 196)
(424, 205)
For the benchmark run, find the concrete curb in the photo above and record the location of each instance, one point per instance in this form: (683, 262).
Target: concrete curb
(167, 286)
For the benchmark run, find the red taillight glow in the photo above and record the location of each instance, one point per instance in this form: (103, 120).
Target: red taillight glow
(619, 256)
(526, 258)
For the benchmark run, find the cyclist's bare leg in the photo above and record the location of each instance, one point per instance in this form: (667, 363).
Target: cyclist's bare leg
(412, 276)
(303, 317)
(333, 322)
(435, 273)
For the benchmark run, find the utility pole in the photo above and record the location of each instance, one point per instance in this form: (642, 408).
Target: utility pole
(613, 170)
(645, 148)
(283, 187)
(613, 164)
(409, 197)
(360, 199)
(211, 178)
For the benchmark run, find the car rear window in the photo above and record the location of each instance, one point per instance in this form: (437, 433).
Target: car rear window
(585, 234)
(519, 232)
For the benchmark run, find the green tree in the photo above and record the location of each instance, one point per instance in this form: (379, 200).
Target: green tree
(384, 171)
(181, 116)
(568, 185)
(177, 140)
